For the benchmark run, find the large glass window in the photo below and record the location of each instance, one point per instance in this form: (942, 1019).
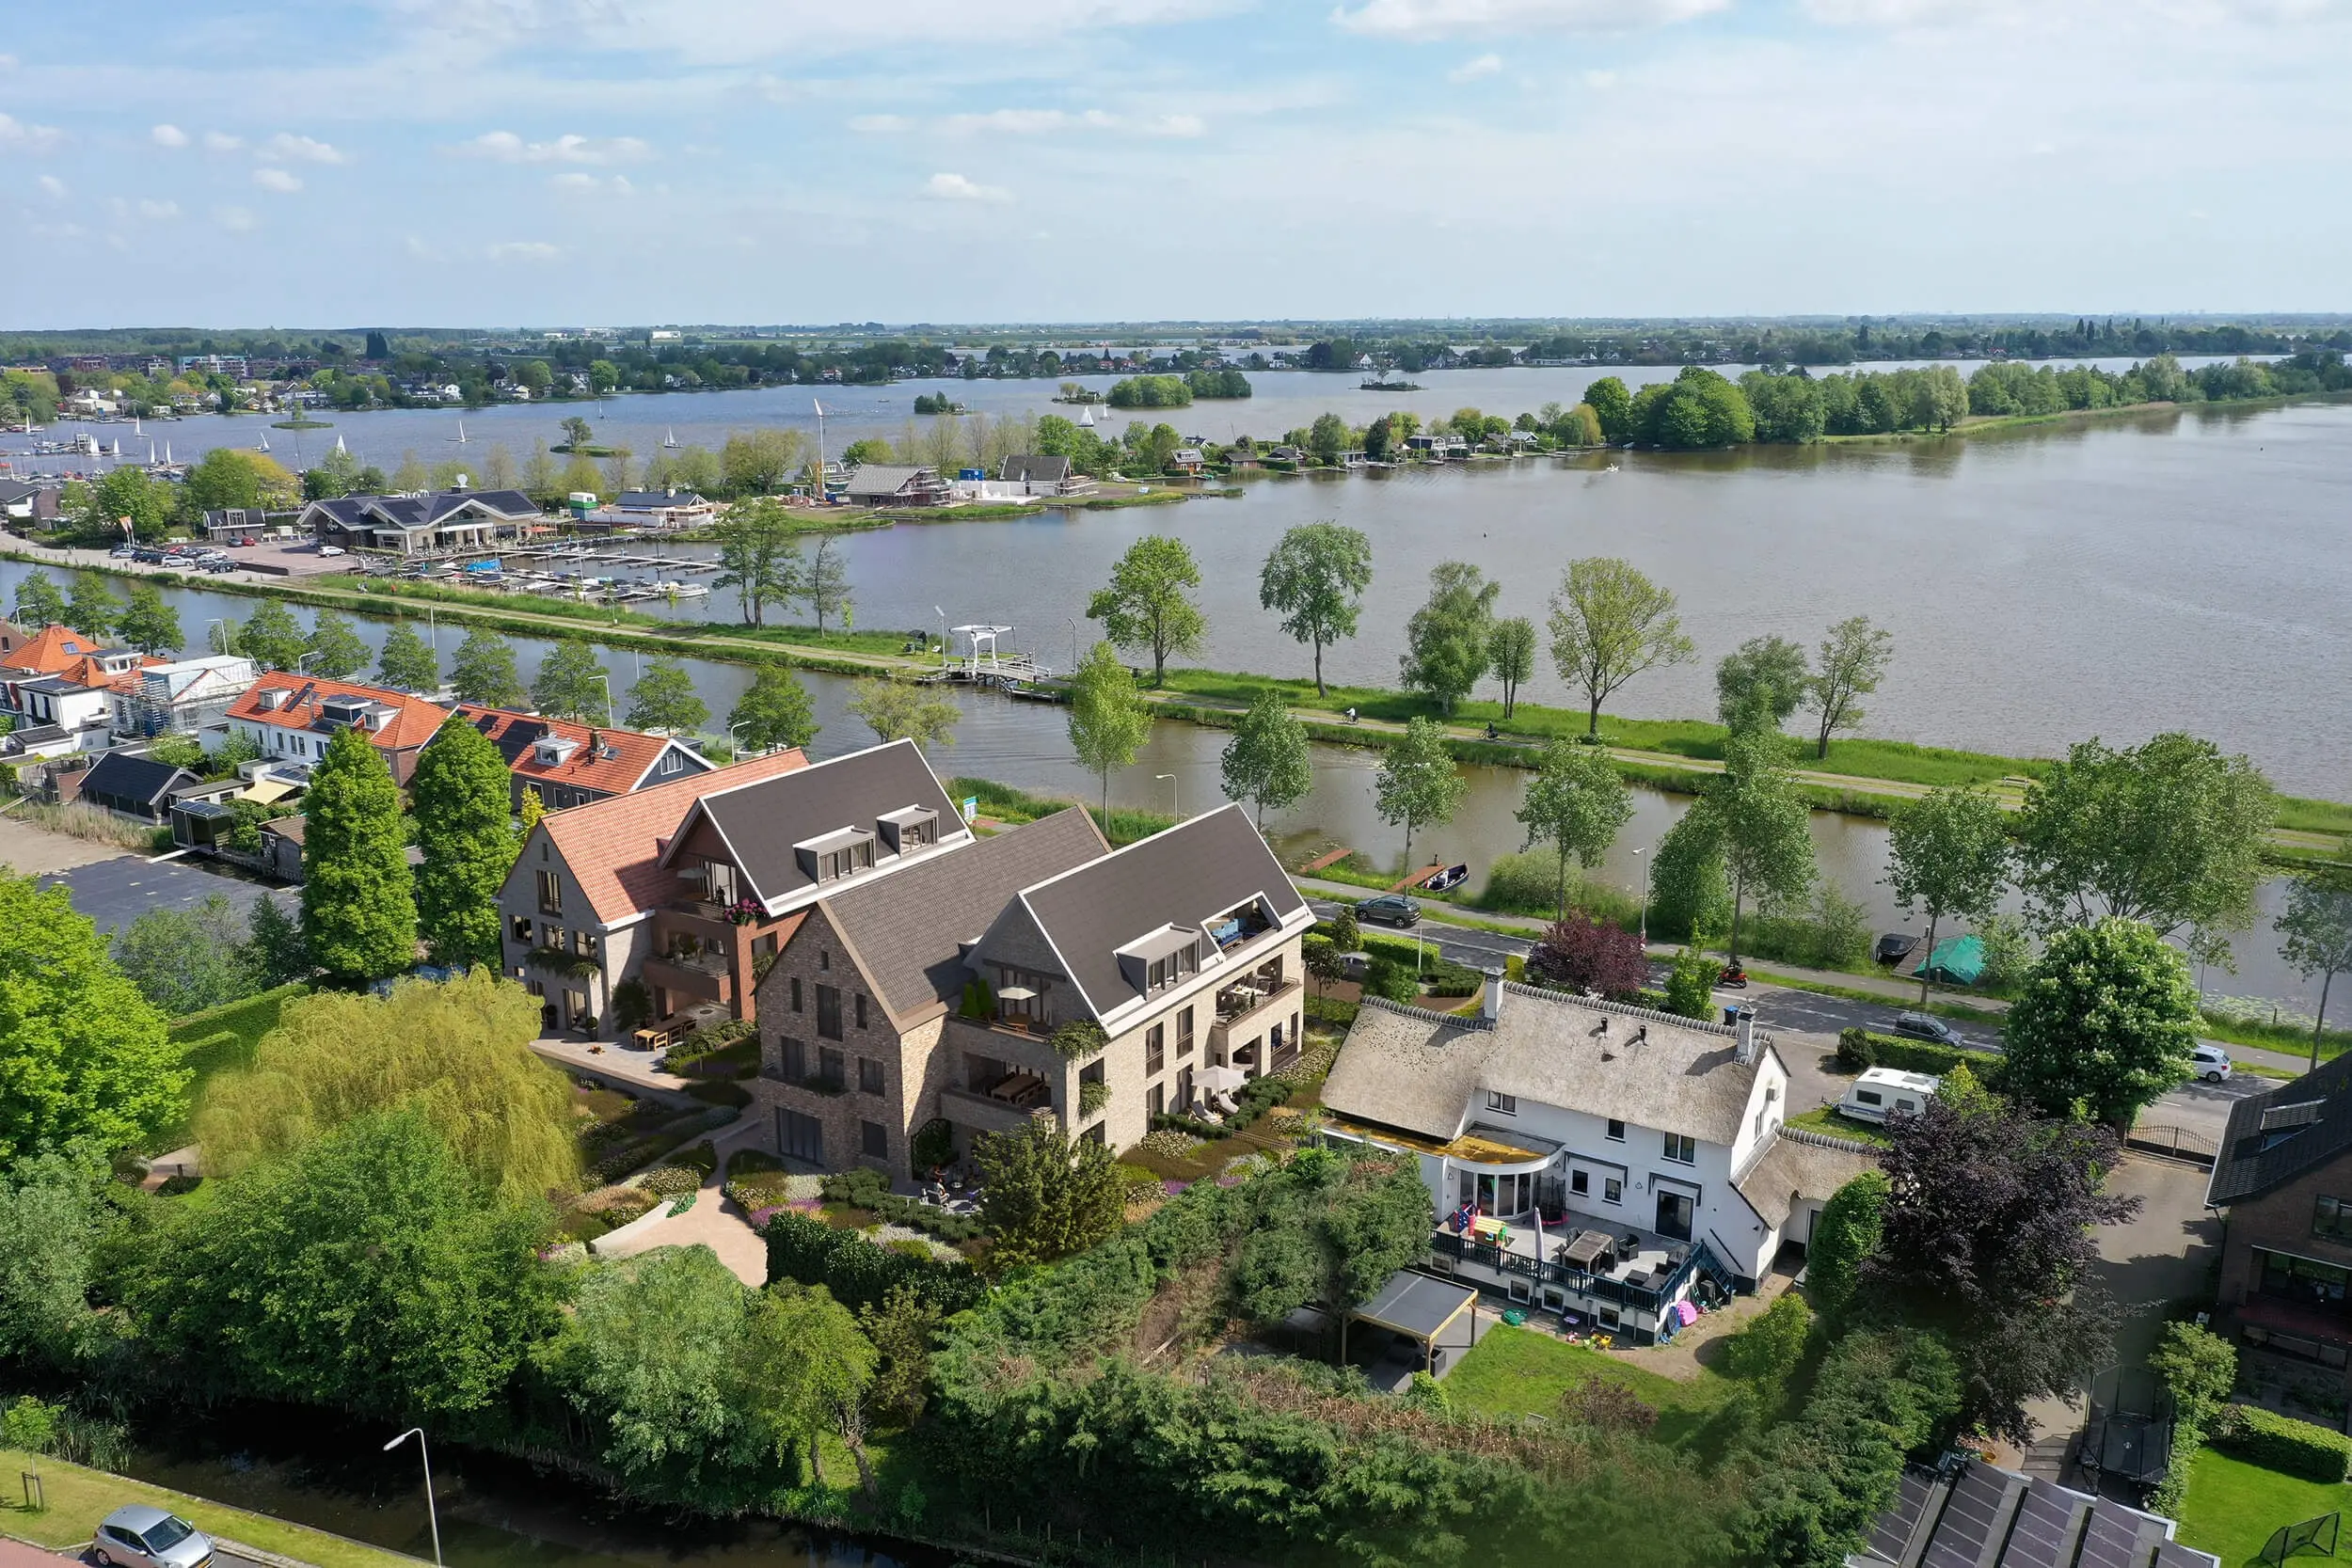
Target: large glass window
(829, 1011)
(2304, 1281)
(2332, 1217)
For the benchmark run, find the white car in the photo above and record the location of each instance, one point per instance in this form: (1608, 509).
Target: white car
(2211, 1062)
(330, 550)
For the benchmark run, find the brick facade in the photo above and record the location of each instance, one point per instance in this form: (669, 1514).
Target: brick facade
(2283, 1221)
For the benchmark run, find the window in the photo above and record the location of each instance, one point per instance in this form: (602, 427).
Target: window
(1617, 1131)
(1580, 1183)
(834, 865)
(800, 1137)
(795, 1061)
(859, 997)
(2332, 1217)
(1155, 1048)
(829, 1066)
(1871, 1097)
(1184, 1033)
(1502, 1104)
(550, 893)
(824, 960)
(671, 762)
(796, 994)
(1682, 1148)
(829, 1012)
(869, 1075)
(719, 876)
(1612, 1190)
(551, 935)
(521, 929)
(1155, 1100)
(873, 1140)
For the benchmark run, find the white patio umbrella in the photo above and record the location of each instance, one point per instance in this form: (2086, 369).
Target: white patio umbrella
(1219, 1079)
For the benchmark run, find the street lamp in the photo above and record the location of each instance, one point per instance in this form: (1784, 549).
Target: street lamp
(1645, 870)
(1074, 642)
(606, 681)
(1175, 801)
(431, 1514)
(731, 729)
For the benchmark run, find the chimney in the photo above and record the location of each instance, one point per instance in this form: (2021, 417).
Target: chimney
(461, 483)
(1744, 1037)
(1491, 1007)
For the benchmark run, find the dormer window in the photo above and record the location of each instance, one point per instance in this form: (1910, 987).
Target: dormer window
(905, 831)
(1155, 962)
(551, 750)
(844, 852)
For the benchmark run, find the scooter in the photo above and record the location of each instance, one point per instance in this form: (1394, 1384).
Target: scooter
(1734, 978)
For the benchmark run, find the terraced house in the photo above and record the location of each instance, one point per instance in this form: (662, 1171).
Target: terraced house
(934, 995)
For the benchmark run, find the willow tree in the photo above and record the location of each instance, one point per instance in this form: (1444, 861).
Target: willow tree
(458, 1051)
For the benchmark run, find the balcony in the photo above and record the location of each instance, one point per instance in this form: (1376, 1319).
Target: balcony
(984, 1113)
(708, 977)
(1244, 1011)
(1635, 1272)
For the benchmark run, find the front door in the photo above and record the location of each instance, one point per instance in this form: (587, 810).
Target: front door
(1674, 1215)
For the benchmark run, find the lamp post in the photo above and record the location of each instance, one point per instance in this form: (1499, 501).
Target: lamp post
(1074, 642)
(731, 729)
(1646, 869)
(606, 681)
(432, 1515)
(1175, 799)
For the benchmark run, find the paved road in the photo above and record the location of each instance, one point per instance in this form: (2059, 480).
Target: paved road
(113, 892)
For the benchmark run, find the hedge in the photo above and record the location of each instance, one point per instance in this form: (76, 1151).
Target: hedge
(1859, 1048)
(248, 1018)
(2281, 1443)
(856, 1271)
(866, 1188)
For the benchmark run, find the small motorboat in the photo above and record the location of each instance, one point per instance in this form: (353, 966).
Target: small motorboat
(1452, 876)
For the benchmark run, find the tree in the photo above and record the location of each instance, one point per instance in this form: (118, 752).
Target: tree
(657, 1356)
(484, 672)
(757, 555)
(809, 1365)
(368, 1273)
(1855, 658)
(407, 663)
(274, 948)
(901, 1326)
(578, 433)
(663, 700)
(1044, 1195)
(1613, 405)
(335, 475)
(1582, 954)
(1690, 984)
(54, 1214)
(2317, 926)
(1766, 844)
(1610, 624)
(270, 636)
(1266, 763)
(1948, 853)
(902, 710)
(38, 603)
(1766, 675)
(126, 493)
(1576, 802)
(570, 684)
(2106, 1018)
(2171, 833)
(462, 795)
(1987, 1242)
(1109, 720)
(1511, 653)
(234, 477)
(147, 624)
(752, 462)
(1844, 1237)
(1688, 888)
(774, 711)
(82, 1053)
(1316, 579)
(1417, 786)
(1148, 603)
(335, 651)
(1446, 640)
(358, 905)
(186, 960)
(459, 1052)
(93, 609)
(825, 587)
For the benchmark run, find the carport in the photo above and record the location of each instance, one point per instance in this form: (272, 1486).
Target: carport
(1422, 1308)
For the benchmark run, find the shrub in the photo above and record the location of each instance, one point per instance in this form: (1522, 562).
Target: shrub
(864, 1188)
(1690, 984)
(2197, 1366)
(857, 1271)
(721, 1091)
(1846, 1233)
(1078, 1040)
(2281, 1443)
(672, 1181)
(1392, 981)
(1590, 954)
(1859, 1048)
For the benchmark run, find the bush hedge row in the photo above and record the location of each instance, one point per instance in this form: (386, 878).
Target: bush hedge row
(859, 1273)
(2281, 1443)
(866, 1188)
(1860, 1048)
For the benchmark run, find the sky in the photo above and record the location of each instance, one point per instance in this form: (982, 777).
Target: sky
(628, 162)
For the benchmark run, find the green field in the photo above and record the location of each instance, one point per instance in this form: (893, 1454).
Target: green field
(2231, 1507)
(1517, 1372)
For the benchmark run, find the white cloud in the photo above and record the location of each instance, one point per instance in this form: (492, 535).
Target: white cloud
(221, 141)
(1013, 122)
(523, 250)
(276, 180)
(52, 186)
(1035, 122)
(32, 138)
(1428, 19)
(1470, 71)
(507, 148)
(237, 220)
(289, 148)
(167, 135)
(576, 183)
(419, 251)
(158, 212)
(8, 62)
(880, 125)
(955, 188)
(1601, 80)
(1173, 125)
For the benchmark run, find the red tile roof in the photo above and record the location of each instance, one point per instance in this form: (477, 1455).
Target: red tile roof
(613, 846)
(632, 759)
(60, 650)
(411, 725)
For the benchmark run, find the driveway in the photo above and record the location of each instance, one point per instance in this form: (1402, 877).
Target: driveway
(113, 892)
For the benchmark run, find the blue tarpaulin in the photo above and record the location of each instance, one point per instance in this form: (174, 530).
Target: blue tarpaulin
(1956, 962)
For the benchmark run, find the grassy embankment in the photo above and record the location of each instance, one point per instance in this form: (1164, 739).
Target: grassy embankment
(1004, 804)
(1516, 1372)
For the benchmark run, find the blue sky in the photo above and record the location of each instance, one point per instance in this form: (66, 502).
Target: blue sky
(555, 162)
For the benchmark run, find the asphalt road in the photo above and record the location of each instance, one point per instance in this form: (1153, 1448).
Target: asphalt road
(1804, 1025)
(113, 892)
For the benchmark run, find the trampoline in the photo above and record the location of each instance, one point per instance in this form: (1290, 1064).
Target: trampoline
(2129, 1435)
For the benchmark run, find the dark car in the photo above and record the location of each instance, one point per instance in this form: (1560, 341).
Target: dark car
(1927, 1026)
(1390, 909)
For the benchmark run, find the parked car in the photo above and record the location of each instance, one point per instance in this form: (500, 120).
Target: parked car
(1927, 1026)
(123, 552)
(1391, 909)
(330, 550)
(2211, 1063)
(139, 1536)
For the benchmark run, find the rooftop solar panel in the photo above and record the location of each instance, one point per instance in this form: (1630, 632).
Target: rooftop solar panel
(1919, 1491)
(2049, 1521)
(1976, 1520)
(2173, 1555)
(2119, 1538)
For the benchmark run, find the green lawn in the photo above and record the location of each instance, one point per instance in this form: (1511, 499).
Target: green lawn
(79, 1498)
(1823, 1118)
(2232, 1506)
(1518, 1371)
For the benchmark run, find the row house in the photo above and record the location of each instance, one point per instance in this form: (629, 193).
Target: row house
(935, 995)
(574, 764)
(289, 718)
(1586, 1157)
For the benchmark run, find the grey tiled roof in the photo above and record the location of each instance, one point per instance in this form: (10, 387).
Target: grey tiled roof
(909, 928)
(1187, 876)
(1417, 1072)
(2275, 1136)
(414, 511)
(122, 776)
(762, 821)
(1029, 466)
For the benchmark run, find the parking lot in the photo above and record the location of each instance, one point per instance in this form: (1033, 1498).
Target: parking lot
(113, 892)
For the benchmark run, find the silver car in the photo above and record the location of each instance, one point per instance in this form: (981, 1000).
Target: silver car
(138, 1536)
